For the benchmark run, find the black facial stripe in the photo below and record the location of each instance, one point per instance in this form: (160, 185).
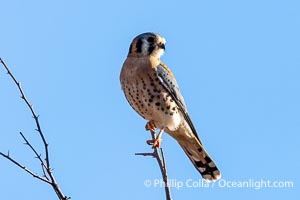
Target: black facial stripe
(139, 45)
(150, 39)
(150, 49)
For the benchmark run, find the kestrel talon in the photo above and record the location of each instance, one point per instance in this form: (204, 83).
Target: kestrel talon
(152, 91)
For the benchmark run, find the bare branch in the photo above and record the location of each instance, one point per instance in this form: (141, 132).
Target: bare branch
(38, 156)
(160, 158)
(35, 116)
(47, 170)
(145, 154)
(165, 175)
(24, 168)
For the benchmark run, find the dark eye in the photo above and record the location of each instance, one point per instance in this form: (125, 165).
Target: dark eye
(150, 39)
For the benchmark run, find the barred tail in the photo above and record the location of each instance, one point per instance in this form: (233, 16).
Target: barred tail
(200, 158)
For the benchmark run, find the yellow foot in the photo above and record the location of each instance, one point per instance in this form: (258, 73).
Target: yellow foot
(150, 126)
(155, 143)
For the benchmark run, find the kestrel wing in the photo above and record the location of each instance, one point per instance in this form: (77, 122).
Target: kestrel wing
(169, 82)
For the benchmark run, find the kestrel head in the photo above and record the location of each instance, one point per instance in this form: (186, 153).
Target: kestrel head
(147, 44)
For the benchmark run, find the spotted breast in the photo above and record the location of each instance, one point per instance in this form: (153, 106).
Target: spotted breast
(145, 93)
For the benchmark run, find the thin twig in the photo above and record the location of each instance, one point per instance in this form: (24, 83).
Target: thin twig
(165, 176)
(35, 116)
(38, 156)
(24, 168)
(162, 165)
(47, 170)
(44, 172)
(145, 154)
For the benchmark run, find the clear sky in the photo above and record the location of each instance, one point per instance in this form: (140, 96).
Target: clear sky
(238, 67)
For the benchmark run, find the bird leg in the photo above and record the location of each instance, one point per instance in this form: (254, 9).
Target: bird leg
(150, 126)
(157, 141)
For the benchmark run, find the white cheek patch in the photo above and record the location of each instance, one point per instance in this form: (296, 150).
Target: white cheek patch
(160, 52)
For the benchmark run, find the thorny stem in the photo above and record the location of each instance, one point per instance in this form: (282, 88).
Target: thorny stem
(24, 168)
(45, 166)
(35, 116)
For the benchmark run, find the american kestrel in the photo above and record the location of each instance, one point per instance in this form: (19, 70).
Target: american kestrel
(152, 91)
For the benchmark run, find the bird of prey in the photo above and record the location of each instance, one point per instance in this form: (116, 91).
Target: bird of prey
(152, 91)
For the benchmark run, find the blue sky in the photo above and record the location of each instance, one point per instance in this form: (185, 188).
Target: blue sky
(237, 64)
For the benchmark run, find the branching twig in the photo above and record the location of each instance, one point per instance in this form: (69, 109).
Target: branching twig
(35, 116)
(47, 170)
(160, 158)
(24, 168)
(38, 156)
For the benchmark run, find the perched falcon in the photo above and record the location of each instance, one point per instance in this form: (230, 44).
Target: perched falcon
(152, 91)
